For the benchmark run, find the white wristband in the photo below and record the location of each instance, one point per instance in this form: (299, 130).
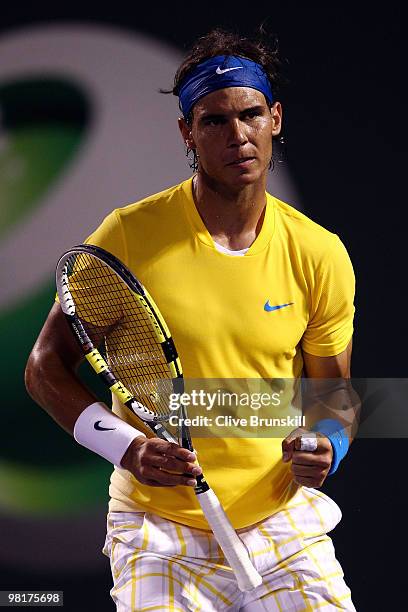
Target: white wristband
(98, 429)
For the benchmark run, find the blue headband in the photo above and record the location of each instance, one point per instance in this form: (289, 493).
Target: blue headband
(219, 72)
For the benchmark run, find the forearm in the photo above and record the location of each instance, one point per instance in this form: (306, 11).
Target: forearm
(52, 381)
(331, 399)
(55, 387)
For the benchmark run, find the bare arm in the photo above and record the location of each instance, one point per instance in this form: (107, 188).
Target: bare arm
(329, 391)
(50, 374)
(329, 396)
(52, 382)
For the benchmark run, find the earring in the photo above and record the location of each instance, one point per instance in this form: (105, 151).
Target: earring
(280, 157)
(282, 150)
(192, 159)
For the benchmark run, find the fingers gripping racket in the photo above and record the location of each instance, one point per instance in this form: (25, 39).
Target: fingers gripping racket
(105, 304)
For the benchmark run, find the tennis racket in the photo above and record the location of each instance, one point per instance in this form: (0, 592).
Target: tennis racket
(105, 304)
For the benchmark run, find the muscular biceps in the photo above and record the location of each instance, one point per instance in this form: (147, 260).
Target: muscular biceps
(50, 374)
(328, 367)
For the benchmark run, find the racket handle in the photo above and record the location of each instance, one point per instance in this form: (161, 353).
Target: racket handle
(229, 541)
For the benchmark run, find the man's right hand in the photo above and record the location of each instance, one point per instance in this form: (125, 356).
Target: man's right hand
(158, 463)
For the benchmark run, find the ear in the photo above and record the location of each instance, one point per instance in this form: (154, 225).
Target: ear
(186, 133)
(276, 112)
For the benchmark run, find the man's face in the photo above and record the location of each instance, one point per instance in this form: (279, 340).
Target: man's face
(232, 133)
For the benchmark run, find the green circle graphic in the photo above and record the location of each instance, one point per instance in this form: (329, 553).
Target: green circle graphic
(43, 125)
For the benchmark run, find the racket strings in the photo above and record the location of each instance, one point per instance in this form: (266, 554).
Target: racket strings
(111, 312)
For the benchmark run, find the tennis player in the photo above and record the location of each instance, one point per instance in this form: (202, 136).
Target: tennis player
(251, 289)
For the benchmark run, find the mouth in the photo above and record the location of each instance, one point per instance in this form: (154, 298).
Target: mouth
(242, 162)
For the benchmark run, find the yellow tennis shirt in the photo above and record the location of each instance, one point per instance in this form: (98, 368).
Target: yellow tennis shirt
(220, 311)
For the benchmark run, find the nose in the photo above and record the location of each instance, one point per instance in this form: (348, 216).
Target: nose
(236, 135)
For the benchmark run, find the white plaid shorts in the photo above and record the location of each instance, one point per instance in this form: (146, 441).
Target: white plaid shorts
(160, 565)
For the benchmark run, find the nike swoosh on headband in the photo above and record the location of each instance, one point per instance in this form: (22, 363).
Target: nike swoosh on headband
(99, 428)
(221, 70)
(269, 308)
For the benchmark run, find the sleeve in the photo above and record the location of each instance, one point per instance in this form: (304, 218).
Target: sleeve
(330, 325)
(109, 235)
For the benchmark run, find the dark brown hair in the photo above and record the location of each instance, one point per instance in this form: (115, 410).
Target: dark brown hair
(261, 48)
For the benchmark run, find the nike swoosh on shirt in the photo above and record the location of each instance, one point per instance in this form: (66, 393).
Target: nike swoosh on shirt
(222, 70)
(99, 428)
(269, 308)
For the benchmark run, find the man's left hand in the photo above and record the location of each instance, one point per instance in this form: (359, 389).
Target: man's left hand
(309, 468)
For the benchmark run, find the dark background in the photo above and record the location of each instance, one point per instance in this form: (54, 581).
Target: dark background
(346, 147)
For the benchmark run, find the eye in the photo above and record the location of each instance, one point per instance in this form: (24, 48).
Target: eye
(213, 121)
(252, 114)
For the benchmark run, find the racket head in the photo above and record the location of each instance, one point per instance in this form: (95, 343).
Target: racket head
(120, 328)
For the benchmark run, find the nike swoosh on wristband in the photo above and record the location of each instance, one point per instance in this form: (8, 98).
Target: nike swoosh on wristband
(99, 428)
(269, 308)
(221, 70)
